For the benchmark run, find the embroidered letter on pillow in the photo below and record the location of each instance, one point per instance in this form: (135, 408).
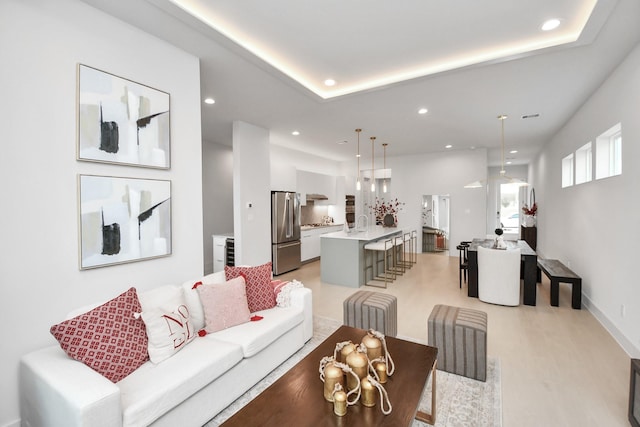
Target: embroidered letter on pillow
(169, 327)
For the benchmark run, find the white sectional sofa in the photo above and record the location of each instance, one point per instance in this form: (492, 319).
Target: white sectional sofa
(187, 389)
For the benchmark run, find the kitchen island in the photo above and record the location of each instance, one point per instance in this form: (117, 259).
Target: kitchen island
(342, 257)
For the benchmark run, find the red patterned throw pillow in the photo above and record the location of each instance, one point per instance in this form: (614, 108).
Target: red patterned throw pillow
(109, 339)
(260, 294)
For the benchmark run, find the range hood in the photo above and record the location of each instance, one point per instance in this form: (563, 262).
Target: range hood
(315, 196)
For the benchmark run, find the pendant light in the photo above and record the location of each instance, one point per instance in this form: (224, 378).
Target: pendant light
(373, 177)
(358, 185)
(503, 173)
(384, 168)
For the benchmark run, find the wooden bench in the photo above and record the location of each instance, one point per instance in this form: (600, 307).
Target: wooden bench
(557, 272)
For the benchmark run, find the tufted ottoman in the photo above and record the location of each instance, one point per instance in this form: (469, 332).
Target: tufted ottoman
(460, 334)
(372, 310)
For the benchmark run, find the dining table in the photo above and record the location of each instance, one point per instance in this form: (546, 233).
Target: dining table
(528, 269)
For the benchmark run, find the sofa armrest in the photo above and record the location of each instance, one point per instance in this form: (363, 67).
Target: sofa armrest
(302, 297)
(56, 390)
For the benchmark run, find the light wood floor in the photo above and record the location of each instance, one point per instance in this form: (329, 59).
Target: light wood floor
(559, 366)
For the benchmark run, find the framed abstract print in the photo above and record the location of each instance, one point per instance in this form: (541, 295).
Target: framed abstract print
(123, 220)
(121, 121)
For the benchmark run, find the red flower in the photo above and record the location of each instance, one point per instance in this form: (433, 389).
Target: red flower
(530, 210)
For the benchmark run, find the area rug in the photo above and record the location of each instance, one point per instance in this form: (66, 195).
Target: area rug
(461, 402)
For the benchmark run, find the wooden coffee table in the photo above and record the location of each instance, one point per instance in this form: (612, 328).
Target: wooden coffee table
(296, 398)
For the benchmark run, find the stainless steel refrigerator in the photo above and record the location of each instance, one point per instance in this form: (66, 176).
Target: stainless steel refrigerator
(285, 231)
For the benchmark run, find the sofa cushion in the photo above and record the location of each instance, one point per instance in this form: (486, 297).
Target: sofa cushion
(192, 297)
(168, 326)
(155, 389)
(108, 339)
(224, 305)
(259, 290)
(255, 336)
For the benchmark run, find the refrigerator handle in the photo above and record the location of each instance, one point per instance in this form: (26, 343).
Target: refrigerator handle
(290, 217)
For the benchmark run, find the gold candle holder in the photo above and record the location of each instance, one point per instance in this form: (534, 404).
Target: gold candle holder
(368, 396)
(373, 345)
(332, 376)
(346, 350)
(340, 403)
(381, 370)
(358, 362)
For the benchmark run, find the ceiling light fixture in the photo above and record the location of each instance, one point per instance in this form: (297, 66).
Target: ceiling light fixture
(329, 82)
(550, 24)
(384, 168)
(448, 146)
(503, 173)
(358, 185)
(513, 151)
(209, 101)
(423, 111)
(373, 177)
(295, 133)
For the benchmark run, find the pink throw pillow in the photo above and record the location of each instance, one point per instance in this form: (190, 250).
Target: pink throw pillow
(109, 339)
(225, 305)
(260, 294)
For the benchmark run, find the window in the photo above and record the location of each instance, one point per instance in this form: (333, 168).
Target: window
(609, 153)
(567, 171)
(584, 165)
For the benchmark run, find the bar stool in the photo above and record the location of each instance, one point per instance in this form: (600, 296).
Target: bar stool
(463, 261)
(386, 248)
(399, 257)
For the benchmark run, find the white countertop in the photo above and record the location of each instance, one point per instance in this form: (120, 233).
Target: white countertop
(316, 227)
(372, 233)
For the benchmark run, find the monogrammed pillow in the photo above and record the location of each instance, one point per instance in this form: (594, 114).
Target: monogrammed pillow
(169, 327)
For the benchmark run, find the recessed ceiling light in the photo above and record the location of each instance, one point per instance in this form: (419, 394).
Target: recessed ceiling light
(209, 101)
(509, 163)
(448, 146)
(295, 133)
(423, 111)
(329, 82)
(550, 24)
(513, 151)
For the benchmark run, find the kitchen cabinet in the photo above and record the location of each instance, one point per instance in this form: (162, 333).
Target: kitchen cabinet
(310, 241)
(316, 183)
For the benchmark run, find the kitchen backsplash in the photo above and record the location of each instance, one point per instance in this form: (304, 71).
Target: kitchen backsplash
(311, 214)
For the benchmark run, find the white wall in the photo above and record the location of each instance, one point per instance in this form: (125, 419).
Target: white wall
(439, 173)
(251, 194)
(217, 196)
(41, 43)
(594, 226)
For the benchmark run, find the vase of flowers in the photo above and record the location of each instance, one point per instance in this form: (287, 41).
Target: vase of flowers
(530, 214)
(389, 209)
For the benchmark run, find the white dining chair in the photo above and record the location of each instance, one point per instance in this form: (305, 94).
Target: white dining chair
(499, 276)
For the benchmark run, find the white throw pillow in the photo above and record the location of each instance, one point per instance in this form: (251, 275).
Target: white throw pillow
(169, 327)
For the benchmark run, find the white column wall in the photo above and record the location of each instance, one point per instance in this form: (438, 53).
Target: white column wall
(41, 43)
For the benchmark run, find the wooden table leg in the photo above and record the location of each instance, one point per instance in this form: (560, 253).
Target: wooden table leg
(423, 416)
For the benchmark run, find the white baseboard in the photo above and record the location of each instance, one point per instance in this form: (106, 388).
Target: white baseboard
(625, 343)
